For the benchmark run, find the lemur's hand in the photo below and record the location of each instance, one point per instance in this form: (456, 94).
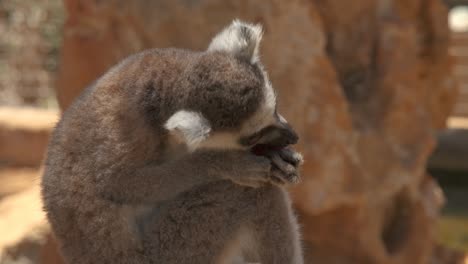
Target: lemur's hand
(285, 165)
(246, 168)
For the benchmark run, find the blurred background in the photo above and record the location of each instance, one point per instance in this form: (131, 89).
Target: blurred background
(377, 89)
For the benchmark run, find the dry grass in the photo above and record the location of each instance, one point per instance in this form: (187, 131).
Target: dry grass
(453, 225)
(453, 231)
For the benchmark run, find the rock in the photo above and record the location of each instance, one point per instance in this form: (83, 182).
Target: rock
(24, 133)
(49, 252)
(26, 235)
(14, 180)
(23, 227)
(366, 83)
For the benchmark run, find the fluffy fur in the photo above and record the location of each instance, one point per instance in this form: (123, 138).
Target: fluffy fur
(151, 164)
(240, 39)
(190, 127)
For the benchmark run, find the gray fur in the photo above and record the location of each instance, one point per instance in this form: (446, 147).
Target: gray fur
(118, 187)
(240, 39)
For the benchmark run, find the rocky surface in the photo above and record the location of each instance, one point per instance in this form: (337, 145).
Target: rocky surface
(25, 234)
(366, 83)
(22, 223)
(24, 134)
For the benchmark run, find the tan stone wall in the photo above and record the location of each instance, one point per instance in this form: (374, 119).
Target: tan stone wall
(366, 83)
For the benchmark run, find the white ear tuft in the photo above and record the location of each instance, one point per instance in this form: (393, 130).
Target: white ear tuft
(240, 39)
(190, 127)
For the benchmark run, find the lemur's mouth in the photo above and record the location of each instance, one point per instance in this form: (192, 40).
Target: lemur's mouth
(264, 149)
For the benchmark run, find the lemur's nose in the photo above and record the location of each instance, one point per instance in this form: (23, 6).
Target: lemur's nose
(293, 137)
(289, 136)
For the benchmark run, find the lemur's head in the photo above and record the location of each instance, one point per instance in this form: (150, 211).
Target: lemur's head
(230, 102)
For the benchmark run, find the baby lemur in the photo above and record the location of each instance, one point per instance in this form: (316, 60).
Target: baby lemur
(175, 156)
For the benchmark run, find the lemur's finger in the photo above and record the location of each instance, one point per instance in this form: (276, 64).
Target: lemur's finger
(279, 177)
(284, 166)
(294, 178)
(291, 156)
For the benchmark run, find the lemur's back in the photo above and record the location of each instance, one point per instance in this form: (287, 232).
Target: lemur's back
(91, 142)
(106, 129)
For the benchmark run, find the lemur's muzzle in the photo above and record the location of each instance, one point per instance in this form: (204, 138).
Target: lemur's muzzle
(287, 135)
(275, 136)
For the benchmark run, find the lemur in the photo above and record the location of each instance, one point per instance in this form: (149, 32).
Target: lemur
(176, 156)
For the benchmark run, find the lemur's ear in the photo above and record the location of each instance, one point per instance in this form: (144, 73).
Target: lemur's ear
(189, 127)
(240, 39)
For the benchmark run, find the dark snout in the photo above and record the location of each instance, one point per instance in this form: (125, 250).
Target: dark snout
(278, 135)
(287, 135)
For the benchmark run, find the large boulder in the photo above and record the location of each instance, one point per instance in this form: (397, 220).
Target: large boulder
(366, 83)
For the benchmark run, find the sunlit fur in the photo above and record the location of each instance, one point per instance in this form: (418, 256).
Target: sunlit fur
(145, 166)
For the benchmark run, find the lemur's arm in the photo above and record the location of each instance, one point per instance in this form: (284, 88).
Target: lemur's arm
(158, 182)
(155, 183)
